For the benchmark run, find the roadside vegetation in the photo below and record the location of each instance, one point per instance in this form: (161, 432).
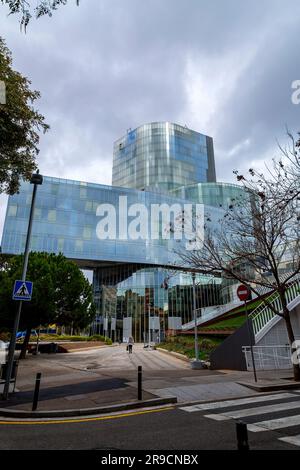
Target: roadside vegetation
(70, 338)
(226, 324)
(53, 338)
(184, 344)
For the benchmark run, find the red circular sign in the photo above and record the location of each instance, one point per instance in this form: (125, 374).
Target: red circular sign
(243, 292)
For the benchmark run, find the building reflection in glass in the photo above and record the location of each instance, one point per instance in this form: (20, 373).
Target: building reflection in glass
(126, 294)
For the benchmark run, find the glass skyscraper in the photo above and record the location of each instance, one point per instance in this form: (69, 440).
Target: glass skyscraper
(139, 283)
(162, 156)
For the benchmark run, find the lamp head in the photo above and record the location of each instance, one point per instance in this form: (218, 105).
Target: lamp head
(36, 178)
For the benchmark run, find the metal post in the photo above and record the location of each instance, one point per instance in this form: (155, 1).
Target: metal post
(36, 179)
(242, 436)
(196, 364)
(144, 332)
(195, 319)
(250, 341)
(139, 382)
(36, 391)
(149, 332)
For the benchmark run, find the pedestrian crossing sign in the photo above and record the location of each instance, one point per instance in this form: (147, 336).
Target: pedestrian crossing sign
(22, 290)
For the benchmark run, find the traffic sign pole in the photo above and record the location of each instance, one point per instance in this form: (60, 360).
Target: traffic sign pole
(36, 179)
(243, 293)
(250, 341)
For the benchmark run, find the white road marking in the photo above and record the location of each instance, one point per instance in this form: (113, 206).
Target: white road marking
(217, 417)
(295, 440)
(241, 401)
(261, 410)
(271, 424)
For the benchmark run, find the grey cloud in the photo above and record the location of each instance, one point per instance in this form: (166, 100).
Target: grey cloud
(260, 107)
(107, 66)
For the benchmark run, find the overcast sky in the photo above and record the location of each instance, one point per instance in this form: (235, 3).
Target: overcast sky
(222, 67)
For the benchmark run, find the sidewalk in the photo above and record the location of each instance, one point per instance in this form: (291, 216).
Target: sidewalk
(108, 376)
(87, 394)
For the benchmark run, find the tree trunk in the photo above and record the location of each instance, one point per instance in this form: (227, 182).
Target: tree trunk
(291, 336)
(25, 344)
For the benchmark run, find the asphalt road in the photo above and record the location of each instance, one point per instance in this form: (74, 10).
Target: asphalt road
(167, 428)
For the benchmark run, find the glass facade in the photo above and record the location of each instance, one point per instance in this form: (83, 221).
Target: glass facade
(220, 195)
(66, 220)
(132, 293)
(128, 274)
(162, 156)
(140, 287)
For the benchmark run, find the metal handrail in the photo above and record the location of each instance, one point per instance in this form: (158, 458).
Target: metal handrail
(263, 314)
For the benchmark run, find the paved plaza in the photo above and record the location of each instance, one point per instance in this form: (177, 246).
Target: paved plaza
(108, 375)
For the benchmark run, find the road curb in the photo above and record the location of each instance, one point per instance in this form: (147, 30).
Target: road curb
(174, 354)
(270, 387)
(4, 412)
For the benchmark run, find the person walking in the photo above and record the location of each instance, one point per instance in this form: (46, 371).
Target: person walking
(130, 344)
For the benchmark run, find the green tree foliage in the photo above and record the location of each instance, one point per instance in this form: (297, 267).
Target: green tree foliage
(40, 8)
(61, 293)
(20, 124)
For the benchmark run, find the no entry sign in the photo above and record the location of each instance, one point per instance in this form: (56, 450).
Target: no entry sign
(243, 292)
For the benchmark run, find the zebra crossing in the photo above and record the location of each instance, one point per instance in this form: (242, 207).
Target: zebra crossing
(273, 412)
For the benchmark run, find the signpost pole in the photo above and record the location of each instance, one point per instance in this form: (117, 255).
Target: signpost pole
(35, 180)
(250, 341)
(243, 293)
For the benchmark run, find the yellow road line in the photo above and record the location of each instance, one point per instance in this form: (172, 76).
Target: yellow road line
(85, 420)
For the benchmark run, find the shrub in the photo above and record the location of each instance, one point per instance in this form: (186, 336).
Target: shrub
(97, 338)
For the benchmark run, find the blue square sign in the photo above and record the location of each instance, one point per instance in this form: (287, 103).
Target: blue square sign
(22, 290)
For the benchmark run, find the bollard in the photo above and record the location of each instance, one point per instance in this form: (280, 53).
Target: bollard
(242, 436)
(36, 391)
(139, 382)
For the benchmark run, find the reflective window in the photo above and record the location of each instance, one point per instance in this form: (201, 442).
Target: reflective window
(12, 210)
(52, 215)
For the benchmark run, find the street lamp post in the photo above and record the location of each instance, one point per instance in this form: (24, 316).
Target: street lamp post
(196, 364)
(36, 179)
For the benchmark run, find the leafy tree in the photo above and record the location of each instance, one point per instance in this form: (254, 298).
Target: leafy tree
(25, 10)
(61, 294)
(19, 126)
(253, 240)
(73, 294)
